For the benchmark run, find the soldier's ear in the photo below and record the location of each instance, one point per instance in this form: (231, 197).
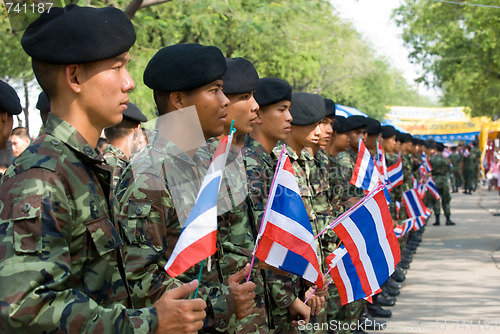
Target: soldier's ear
(71, 77)
(177, 99)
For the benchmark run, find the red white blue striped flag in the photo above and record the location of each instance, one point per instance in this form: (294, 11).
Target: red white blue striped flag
(365, 175)
(431, 186)
(368, 236)
(199, 234)
(414, 205)
(286, 239)
(395, 174)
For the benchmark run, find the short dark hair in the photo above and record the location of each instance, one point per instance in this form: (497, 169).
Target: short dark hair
(45, 75)
(120, 130)
(21, 132)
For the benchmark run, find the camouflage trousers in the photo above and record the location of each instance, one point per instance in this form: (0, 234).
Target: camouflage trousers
(468, 179)
(444, 201)
(456, 180)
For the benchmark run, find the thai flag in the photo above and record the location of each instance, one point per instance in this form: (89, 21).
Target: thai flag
(199, 234)
(286, 237)
(382, 170)
(466, 152)
(404, 227)
(368, 236)
(345, 276)
(426, 163)
(446, 152)
(431, 186)
(395, 174)
(365, 175)
(414, 205)
(418, 223)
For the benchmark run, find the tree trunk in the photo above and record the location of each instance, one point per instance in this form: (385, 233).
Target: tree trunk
(26, 105)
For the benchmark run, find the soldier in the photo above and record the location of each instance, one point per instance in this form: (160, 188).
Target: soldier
(61, 267)
(9, 106)
(440, 170)
(457, 160)
(159, 187)
(123, 140)
(373, 131)
(20, 140)
(273, 123)
(307, 111)
(476, 153)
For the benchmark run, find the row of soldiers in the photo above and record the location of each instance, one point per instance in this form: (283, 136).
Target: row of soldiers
(83, 251)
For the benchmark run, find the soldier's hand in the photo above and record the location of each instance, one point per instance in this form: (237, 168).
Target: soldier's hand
(299, 312)
(177, 315)
(315, 302)
(244, 294)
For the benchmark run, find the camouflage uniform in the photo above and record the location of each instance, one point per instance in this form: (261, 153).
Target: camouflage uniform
(117, 159)
(260, 167)
(456, 178)
(321, 180)
(60, 258)
(346, 161)
(440, 169)
(468, 172)
(151, 228)
(236, 232)
(476, 153)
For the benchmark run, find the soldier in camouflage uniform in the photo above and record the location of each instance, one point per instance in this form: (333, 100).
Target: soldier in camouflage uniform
(307, 111)
(123, 140)
(346, 160)
(440, 170)
(61, 267)
(161, 184)
(476, 153)
(468, 170)
(456, 178)
(273, 123)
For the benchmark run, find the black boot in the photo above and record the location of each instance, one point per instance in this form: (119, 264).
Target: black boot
(448, 221)
(437, 221)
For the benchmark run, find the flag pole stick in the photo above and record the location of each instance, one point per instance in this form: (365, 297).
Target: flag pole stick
(199, 279)
(354, 207)
(232, 129)
(265, 211)
(316, 288)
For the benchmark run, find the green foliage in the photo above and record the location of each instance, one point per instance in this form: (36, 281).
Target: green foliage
(459, 48)
(302, 41)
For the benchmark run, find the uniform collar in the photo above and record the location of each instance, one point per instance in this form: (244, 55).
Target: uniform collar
(67, 134)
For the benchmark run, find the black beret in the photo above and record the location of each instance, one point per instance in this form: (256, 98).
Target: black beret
(43, 103)
(373, 127)
(307, 108)
(134, 114)
(388, 131)
(271, 91)
(357, 122)
(439, 147)
(241, 76)
(9, 101)
(330, 108)
(74, 35)
(415, 141)
(182, 67)
(340, 125)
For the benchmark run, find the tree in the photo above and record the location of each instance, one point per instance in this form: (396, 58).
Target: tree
(459, 49)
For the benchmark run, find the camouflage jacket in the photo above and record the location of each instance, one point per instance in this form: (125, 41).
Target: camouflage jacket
(346, 161)
(455, 159)
(260, 167)
(61, 254)
(440, 169)
(115, 158)
(157, 174)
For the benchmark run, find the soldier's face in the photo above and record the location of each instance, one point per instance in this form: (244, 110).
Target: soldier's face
(18, 145)
(104, 87)
(211, 106)
(354, 136)
(325, 127)
(6, 121)
(242, 109)
(274, 121)
(340, 141)
(306, 135)
(389, 144)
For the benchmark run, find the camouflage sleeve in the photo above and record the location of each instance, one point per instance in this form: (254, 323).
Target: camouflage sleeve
(151, 229)
(43, 260)
(282, 288)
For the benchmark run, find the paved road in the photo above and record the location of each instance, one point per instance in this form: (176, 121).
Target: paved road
(453, 285)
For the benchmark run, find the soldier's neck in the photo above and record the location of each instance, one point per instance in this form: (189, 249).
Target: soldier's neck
(266, 142)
